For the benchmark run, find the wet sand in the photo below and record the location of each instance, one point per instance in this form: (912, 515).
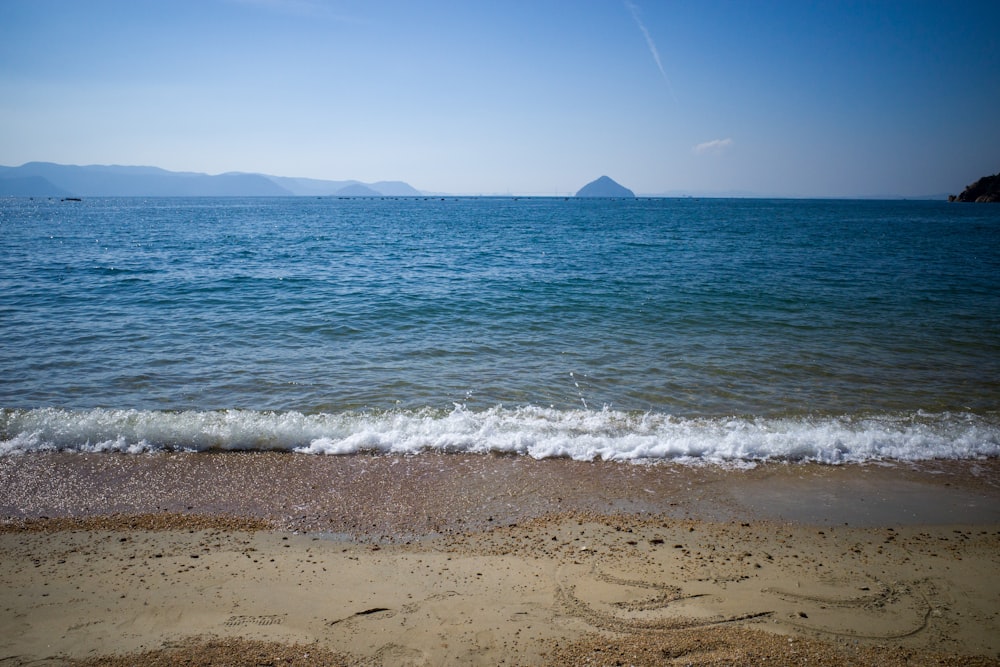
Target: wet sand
(454, 559)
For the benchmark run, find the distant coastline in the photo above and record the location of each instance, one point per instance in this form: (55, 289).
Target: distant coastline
(46, 179)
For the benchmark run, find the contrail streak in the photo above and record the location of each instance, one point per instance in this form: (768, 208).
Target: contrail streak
(652, 46)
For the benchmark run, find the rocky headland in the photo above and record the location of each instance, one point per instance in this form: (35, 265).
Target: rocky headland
(986, 189)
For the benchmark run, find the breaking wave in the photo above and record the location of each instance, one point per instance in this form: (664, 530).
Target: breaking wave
(537, 432)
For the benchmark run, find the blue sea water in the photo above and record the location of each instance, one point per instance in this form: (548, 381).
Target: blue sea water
(682, 329)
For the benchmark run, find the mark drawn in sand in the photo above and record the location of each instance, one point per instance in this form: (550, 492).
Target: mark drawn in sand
(898, 610)
(622, 605)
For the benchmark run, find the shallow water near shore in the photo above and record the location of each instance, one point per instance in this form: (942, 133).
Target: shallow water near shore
(412, 497)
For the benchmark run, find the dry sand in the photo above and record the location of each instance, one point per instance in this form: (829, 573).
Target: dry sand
(281, 559)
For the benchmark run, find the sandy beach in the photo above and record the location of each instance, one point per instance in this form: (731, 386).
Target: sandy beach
(248, 559)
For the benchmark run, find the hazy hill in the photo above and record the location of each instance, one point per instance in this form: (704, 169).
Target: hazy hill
(395, 189)
(29, 186)
(118, 181)
(604, 187)
(45, 179)
(357, 190)
(314, 187)
(310, 187)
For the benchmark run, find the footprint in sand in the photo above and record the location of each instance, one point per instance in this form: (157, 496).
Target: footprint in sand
(273, 619)
(404, 656)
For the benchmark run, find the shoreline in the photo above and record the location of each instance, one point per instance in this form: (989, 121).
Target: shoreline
(466, 559)
(388, 497)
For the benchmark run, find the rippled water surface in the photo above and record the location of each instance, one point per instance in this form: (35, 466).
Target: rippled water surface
(652, 327)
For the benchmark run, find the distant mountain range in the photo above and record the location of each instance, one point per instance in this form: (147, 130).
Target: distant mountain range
(45, 179)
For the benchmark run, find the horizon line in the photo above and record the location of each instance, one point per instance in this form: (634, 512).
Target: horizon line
(552, 194)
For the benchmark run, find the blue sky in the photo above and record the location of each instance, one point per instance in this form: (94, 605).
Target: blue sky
(782, 97)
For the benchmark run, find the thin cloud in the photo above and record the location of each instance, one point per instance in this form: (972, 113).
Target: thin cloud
(652, 46)
(712, 147)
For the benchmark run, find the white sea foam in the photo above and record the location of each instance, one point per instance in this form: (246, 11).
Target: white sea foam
(533, 431)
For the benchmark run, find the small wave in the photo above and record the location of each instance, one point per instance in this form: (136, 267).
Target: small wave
(585, 435)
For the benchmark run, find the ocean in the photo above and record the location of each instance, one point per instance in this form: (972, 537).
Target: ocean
(728, 331)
